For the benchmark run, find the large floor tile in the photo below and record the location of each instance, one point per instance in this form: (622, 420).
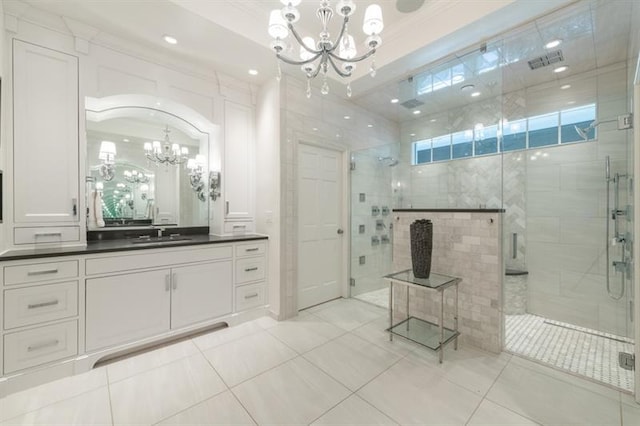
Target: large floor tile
(548, 400)
(413, 393)
(468, 367)
(353, 411)
(150, 360)
(375, 332)
(491, 414)
(296, 392)
(349, 313)
(305, 332)
(90, 408)
(49, 393)
(157, 394)
(226, 335)
(242, 359)
(222, 409)
(352, 360)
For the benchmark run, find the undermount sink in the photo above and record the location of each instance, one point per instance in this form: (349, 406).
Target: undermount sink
(159, 240)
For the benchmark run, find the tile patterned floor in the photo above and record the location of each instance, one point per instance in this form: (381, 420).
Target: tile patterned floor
(332, 365)
(376, 297)
(567, 347)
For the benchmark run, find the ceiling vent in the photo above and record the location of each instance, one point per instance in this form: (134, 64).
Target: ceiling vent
(548, 59)
(411, 103)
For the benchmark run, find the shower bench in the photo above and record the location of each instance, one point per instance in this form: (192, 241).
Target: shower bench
(425, 333)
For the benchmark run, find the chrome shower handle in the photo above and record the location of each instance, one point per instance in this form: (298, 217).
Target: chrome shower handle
(607, 167)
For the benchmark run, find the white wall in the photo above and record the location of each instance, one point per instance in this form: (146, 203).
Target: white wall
(268, 211)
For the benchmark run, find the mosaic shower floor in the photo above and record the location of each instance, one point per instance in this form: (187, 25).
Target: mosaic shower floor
(376, 297)
(567, 347)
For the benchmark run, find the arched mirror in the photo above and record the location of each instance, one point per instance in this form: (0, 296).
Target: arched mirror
(146, 167)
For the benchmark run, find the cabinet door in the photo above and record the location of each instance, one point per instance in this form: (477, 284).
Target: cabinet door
(128, 307)
(45, 135)
(200, 292)
(239, 161)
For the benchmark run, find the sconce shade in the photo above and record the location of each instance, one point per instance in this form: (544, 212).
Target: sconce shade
(373, 23)
(107, 151)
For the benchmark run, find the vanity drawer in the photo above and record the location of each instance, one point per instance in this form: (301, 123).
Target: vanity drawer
(58, 234)
(40, 345)
(249, 296)
(239, 228)
(33, 305)
(250, 269)
(156, 259)
(256, 248)
(35, 272)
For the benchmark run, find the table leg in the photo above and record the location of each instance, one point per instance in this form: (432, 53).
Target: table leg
(407, 310)
(440, 354)
(455, 343)
(390, 310)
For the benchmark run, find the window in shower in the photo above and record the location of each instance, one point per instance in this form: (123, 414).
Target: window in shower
(422, 152)
(543, 130)
(462, 144)
(514, 135)
(441, 147)
(580, 118)
(486, 140)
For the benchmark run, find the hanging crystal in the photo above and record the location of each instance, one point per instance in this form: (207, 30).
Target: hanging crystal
(308, 88)
(325, 87)
(279, 74)
(349, 91)
(372, 69)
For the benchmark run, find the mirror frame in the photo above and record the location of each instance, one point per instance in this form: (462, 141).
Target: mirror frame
(119, 106)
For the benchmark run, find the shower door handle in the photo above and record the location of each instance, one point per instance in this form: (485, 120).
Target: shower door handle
(340, 231)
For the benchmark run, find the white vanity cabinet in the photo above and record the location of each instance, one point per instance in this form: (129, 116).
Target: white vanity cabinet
(239, 166)
(45, 145)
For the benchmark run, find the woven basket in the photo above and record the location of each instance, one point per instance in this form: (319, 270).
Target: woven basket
(421, 232)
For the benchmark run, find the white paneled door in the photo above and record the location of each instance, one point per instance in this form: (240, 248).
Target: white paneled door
(320, 231)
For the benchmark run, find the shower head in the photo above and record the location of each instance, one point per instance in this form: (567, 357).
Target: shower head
(584, 131)
(390, 160)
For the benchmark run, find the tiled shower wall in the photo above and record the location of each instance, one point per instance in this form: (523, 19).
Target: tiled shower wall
(371, 202)
(468, 246)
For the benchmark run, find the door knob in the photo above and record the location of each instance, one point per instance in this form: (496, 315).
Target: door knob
(340, 231)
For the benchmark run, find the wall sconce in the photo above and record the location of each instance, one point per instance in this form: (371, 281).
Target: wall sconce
(144, 189)
(108, 156)
(196, 168)
(215, 184)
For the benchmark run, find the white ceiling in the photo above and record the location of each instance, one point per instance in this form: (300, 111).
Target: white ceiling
(231, 36)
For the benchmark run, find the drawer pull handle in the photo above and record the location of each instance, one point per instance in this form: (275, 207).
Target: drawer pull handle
(45, 272)
(48, 234)
(255, 268)
(251, 296)
(43, 345)
(174, 281)
(239, 226)
(252, 249)
(43, 304)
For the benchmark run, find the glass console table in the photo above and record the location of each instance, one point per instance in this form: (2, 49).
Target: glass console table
(433, 336)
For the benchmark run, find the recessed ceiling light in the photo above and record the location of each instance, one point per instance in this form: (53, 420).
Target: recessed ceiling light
(553, 43)
(369, 125)
(412, 134)
(416, 112)
(253, 72)
(467, 87)
(170, 39)
(315, 129)
(565, 87)
(395, 100)
(125, 140)
(475, 94)
(433, 120)
(561, 69)
(571, 102)
(347, 117)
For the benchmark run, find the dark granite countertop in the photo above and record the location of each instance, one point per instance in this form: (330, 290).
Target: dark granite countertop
(106, 246)
(449, 210)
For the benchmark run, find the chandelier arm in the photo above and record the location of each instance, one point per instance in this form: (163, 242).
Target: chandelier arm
(292, 62)
(316, 72)
(342, 30)
(357, 59)
(299, 39)
(337, 70)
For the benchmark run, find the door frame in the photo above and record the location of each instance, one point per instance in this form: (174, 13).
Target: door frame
(343, 152)
(636, 226)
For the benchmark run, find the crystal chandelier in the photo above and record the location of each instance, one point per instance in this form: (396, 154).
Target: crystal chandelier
(165, 153)
(133, 176)
(316, 57)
